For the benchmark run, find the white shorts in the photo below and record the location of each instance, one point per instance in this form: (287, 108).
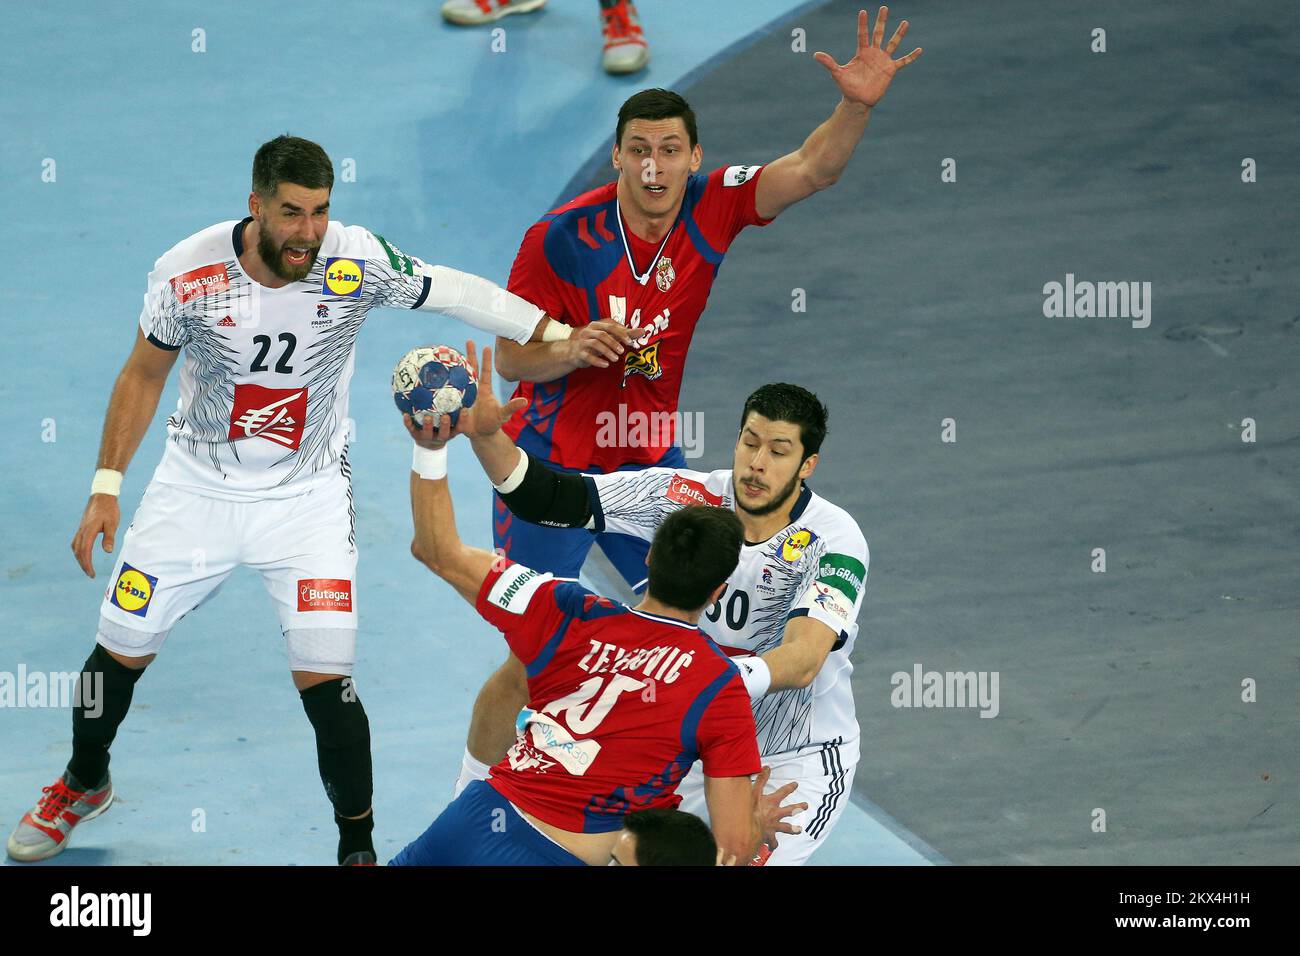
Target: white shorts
(824, 773)
(181, 547)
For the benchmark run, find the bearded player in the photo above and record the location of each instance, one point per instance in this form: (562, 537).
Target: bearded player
(255, 470)
(635, 259)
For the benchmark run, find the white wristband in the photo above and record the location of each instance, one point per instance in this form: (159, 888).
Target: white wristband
(516, 477)
(428, 464)
(756, 675)
(556, 331)
(106, 482)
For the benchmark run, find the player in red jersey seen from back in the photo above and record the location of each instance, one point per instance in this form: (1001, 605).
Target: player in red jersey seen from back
(625, 699)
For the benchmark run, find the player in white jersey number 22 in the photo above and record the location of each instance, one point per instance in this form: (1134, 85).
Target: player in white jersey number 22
(788, 617)
(255, 470)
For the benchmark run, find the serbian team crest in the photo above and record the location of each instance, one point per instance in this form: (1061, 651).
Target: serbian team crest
(276, 414)
(665, 274)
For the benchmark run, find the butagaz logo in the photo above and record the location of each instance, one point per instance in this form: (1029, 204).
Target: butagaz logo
(739, 175)
(324, 594)
(1102, 300)
(276, 414)
(75, 908)
(684, 491)
(343, 277)
(665, 274)
(946, 689)
(208, 280)
(642, 362)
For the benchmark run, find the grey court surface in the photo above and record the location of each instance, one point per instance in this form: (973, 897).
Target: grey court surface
(1120, 691)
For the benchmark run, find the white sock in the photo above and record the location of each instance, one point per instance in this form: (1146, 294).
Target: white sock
(471, 769)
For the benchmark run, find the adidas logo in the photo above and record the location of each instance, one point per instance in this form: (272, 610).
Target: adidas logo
(226, 323)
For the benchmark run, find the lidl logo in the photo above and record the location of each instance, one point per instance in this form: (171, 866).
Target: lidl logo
(133, 590)
(795, 545)
(343, 277)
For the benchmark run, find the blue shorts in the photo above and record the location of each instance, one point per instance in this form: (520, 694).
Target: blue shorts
(562, 551)
(482, 828)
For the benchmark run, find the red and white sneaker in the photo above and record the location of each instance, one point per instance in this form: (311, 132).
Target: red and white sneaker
(472, 13)
(625, 46)
(43, 832)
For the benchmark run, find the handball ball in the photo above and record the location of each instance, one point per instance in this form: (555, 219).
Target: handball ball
(432, 381)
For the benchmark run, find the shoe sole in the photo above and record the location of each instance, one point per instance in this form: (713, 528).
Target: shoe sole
(15, 851)
(462, 21)
(635, 67)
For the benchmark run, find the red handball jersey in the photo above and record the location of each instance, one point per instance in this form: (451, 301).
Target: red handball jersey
(625, 702)
(574, 264)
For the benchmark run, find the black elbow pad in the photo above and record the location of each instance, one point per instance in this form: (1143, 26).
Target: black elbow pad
(550, 497)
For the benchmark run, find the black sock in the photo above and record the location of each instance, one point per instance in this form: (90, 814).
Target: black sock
(355, 835)
(343, 754)
(107, 685)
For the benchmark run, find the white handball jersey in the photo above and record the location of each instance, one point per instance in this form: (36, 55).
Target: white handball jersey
(815, 566)
(264, 386)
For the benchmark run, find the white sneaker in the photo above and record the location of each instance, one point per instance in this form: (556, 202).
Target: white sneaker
(470, 13)
(43, 832)
(625, 46)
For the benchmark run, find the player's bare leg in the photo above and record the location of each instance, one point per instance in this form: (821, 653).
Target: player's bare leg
(343, 755)
(492, 724)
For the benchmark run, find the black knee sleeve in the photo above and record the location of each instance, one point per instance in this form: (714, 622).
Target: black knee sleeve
(103, 697)
(342, 744)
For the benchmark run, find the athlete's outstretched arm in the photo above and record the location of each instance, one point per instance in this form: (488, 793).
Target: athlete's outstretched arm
(436, 543)
(484, 305)
(818, 163)
(130, 410)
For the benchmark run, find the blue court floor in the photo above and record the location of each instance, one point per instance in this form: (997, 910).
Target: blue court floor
(121, 138)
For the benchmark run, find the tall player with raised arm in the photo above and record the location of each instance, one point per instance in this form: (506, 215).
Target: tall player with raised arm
(255, 470)
(630, 265)
(788, 615)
